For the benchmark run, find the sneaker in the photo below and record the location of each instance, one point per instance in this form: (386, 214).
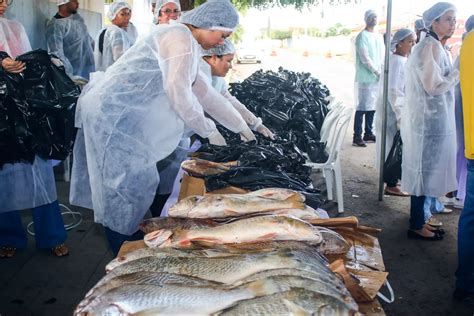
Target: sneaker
(458, 203)
(444, 211)
(369, 138)
(357, 141)
(434, 222)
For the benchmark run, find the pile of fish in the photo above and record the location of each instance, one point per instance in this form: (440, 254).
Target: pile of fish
(292, 104)
(240, 254)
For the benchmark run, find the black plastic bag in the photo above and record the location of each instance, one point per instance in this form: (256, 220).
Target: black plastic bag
(392, 168)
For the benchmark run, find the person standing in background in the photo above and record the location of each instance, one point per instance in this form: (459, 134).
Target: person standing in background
(369, 60)
(67, 38)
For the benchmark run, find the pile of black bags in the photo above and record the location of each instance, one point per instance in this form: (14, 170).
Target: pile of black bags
(37, 110)
(291, 104)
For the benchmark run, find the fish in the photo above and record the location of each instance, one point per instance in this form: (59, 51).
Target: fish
(157, 223)
(173, 298)
(143, 277)
(163, 252)
(247, 230)
(234, 205)
(227, 270)
(295, 301)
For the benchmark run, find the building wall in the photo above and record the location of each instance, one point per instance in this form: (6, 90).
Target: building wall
(34, 15)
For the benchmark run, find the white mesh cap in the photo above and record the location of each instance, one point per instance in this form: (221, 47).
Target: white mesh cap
(221, 50)
(213, 15)
(436, 11)
(399, 36)
(115, 8)
(419, 25)
(368, 14)
(161, 3)
(61, 2)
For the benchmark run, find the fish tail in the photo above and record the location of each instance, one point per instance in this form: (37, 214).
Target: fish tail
(157, 238)
(264, 287)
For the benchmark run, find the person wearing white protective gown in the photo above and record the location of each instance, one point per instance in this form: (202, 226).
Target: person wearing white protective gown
(134, 115)
(369, 58)
(427, 124)
(25, 185)
(114, 39)
(67, 38)
(401, 45)
(216, 63)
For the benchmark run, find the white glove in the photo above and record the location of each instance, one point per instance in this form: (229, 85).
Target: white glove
(398, 124)
(246, 135)
(262, 129)
(377, 73)
(216, 139)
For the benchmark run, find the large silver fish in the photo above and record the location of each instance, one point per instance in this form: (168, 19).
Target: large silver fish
(156, 223)
(297, 301)
(234, 205)
(247, 230)
(173, 298)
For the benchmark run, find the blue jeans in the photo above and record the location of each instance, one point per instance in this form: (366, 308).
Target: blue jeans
(116, 239)
(432, 206)
(465, 271)
(369, 122)
(48, 224)
(417, 212)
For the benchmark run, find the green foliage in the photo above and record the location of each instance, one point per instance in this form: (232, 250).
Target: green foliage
(332, 31)
(345, 32)
(280, 34)
(236, 36)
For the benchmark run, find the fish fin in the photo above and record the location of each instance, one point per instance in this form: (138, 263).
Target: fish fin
(295, 309)
(297, 200)
(148, 312)
(263, 287)
(157, 238)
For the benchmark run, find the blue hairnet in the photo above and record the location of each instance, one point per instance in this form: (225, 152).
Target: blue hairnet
(213, 15)
(221, 50)
(368, 14)
(115, 8)
(436, 11)
(399, 36)
(419, 25)
(469, 25)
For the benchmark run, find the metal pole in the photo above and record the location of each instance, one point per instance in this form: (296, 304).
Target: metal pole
(385, 97)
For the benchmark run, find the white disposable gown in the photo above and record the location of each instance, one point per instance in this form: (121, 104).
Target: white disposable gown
(396, 99)
(134, 115)
(427, 125)
(115, 42)
(69, 39)
(23, 185)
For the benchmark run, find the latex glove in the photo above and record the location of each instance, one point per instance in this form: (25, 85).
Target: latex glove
(216, 139)
(262, 129)
(377, 73)
(398, 124)
(246, 135)
(13, 66)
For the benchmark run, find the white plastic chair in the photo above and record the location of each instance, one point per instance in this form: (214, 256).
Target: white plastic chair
(329, 120)
(332, 167)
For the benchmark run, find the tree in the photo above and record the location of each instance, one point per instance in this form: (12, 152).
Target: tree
(262, 4)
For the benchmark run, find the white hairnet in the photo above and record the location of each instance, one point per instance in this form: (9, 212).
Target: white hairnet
(368, 14)
(161, 3)
(213, 15)
(61, 2)
(419, 25)
(469, 25)
(436, 11)
(115, 8)
(153, 1)
(399, 36)
(221, 50)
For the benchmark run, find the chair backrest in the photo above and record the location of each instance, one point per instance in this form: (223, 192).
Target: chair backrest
(329, 120)
(335, 141)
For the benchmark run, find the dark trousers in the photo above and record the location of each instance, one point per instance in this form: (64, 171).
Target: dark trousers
(48, 226)
(116, 239)
(465, 270)
(158, 203)
(369, 122)
(390, 181)
(417, 212)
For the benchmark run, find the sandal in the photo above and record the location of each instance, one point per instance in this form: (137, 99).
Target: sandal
(395, 191)
(7, 252)
(414, 235)
(60, 250)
